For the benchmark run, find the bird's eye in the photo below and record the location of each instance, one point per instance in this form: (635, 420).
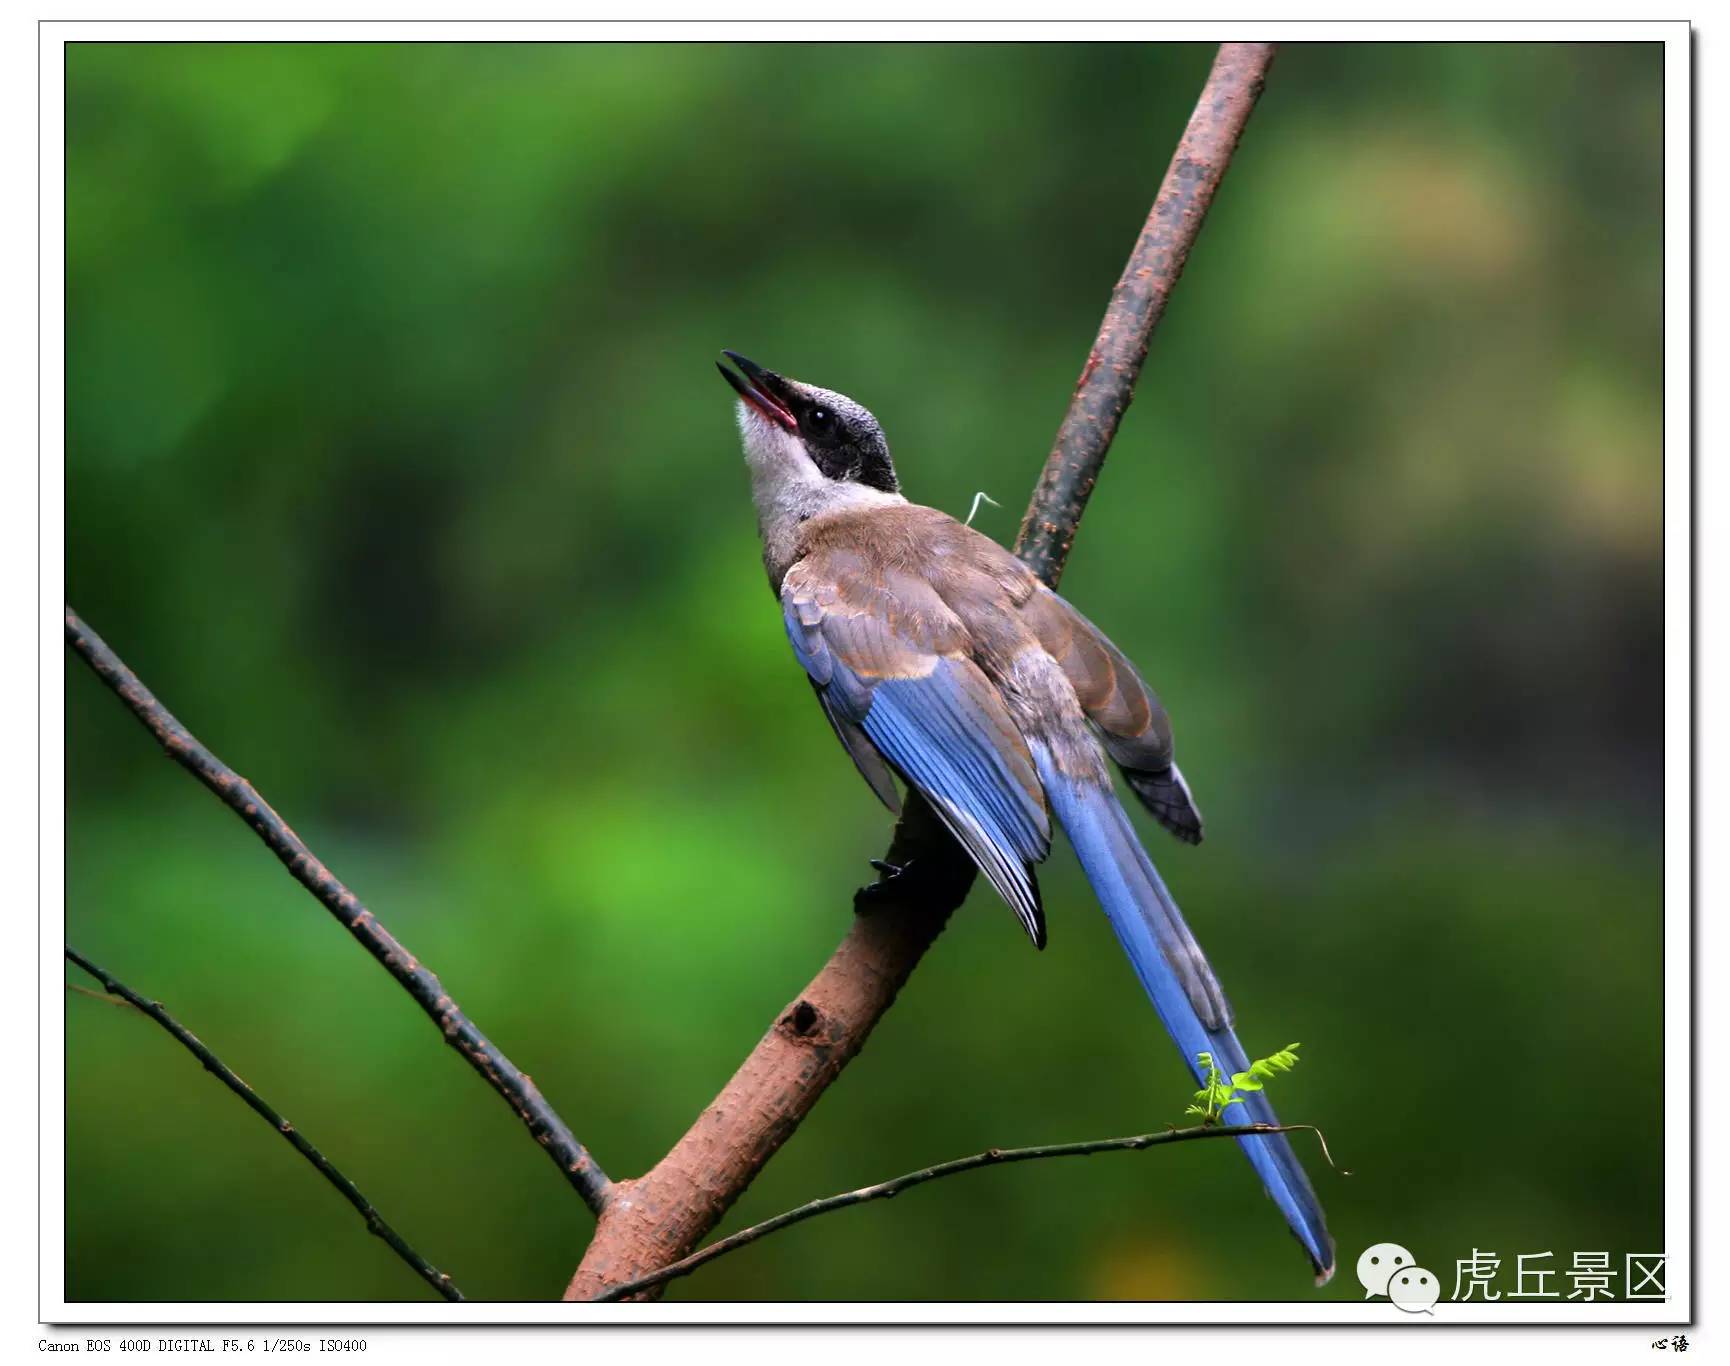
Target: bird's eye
(820, 419)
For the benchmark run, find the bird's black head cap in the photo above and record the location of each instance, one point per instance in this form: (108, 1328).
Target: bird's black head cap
(841, 436)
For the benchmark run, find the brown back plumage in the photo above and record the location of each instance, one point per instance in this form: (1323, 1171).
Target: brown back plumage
(942, 587)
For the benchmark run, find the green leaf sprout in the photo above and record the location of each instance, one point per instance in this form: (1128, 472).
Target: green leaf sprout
(1217, 1091)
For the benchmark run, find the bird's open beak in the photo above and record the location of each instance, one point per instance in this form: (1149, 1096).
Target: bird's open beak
(760, 388)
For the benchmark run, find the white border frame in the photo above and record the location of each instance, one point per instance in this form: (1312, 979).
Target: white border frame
(1678, 842)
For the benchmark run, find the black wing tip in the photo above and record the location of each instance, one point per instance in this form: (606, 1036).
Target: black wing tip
(1166, 795)
(1032, 912)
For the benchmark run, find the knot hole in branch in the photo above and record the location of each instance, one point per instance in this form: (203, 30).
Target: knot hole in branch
(803, 1019)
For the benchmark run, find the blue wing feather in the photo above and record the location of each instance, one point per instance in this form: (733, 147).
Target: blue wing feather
(924, 727)
(940, 722)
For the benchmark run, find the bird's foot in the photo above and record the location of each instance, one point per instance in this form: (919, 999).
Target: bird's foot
(896, 882)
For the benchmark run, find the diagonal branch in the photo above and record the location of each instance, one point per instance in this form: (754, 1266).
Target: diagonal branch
(375, 1223)
(518, 1091)
(672, 1207)
(1107, 383)
(888, 1190)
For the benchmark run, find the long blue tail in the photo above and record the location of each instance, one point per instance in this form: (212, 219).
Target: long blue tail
(1178, 980)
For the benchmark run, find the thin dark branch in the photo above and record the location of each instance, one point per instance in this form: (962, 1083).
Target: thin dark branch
(674, 1205)
(243, 799)
(375, 1223)
(1107, 384)
(888, 1190)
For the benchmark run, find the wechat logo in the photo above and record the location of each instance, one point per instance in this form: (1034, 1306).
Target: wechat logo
(1389, 1269)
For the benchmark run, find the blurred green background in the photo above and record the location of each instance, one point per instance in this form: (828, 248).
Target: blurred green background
(398, 466)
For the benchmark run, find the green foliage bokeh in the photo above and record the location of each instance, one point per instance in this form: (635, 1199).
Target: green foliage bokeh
(398, 467)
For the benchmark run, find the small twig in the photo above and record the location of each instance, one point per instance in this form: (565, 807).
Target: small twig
(243, 799)
(981, 497)
(375, 1223)
(102, 996)
(888, 1190)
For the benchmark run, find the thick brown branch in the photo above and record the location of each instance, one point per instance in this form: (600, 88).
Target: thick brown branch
(888, 1190)
(375, 1222)
(658, 1218)
(519, 1092)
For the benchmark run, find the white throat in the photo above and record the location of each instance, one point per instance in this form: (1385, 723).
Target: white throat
(789, 490)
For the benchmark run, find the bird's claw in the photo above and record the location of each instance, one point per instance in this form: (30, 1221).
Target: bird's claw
(893, 882)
